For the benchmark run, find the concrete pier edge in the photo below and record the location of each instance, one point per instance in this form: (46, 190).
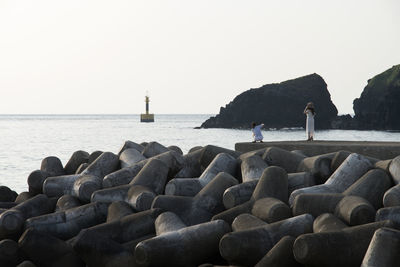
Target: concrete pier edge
(380, 150)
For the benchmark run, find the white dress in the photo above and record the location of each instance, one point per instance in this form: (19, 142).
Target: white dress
(309, 124)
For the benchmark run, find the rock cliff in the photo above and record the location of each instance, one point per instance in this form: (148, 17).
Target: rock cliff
(378, 107)
(278, 105)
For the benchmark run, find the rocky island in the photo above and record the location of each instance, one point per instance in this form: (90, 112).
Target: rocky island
(378, 107)
(277, 105)
(281, 105)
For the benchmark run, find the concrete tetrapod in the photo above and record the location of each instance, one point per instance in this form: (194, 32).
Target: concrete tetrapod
(6, 194)
(77, 158)
(12, 220)
(246, 221)
(60, 185)
(153, 149)
(186, 247)
(48, 251)
(355, 210)
(129, 144)
(391, 198)
(85, 185)
(252, 168)
(281, 255)
(258, 152)
(348, 172)
(168, 222)
(389, 213)
(394, 169)
(273, 183)
(9, 256)
(53, 166)
(123, 176)
(316, 204)
(35, 181)
(101, 245)
(126, 229)
(23, 196)
(200, 208)
(239, 194)
(383, 165)
(151, 177)
(117, 210)
(81, 168)
(319, 166)
(209, 153)
(328, 222)
(67, 202)
(287, 160)
(338, 159)
(342, 155)
(130, 157)
(176, 149)
(68, 223)
(112, 194)
(172, 159)
(345, 248)
(191, 186)
(93, 156)
(371, 186)
(271, 210)
(383, 251)
(191, 166)
(249, 246)
(299, 180)
(345, 175)
(194, 149)
(149, 183)
(104, 164)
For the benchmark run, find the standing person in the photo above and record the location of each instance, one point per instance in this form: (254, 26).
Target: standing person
(310, 113)
(256, 129)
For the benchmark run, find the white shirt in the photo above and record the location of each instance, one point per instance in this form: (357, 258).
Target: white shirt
(257, 132)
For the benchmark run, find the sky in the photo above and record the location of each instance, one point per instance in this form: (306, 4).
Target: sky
(191, 57)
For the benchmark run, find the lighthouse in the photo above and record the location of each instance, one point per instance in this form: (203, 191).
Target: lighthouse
(147, 117)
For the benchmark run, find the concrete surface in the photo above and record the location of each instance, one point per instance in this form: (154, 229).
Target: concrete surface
(380, 150)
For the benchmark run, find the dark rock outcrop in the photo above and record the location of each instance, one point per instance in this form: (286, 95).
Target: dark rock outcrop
(278, 105)
(378, 107)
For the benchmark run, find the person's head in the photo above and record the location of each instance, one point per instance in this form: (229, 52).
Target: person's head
(310, 106)
(253, 124)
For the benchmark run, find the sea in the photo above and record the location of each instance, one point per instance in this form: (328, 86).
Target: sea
(26, 139)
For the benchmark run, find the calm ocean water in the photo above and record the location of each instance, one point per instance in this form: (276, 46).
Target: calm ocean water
(26, 139)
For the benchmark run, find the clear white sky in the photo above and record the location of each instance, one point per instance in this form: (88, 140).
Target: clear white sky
(93, 56)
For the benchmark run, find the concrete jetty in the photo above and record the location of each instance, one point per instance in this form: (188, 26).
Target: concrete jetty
(380, 150)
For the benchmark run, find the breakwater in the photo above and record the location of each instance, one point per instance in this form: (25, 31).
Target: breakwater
(152, 205)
